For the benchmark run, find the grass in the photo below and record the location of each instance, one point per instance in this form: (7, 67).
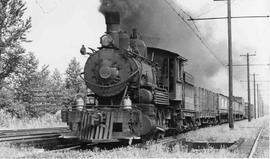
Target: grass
(48, 120)
(125, 152)
(222, 133)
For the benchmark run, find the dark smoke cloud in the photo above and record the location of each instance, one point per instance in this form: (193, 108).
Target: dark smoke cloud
(162, 28)
(127, 8)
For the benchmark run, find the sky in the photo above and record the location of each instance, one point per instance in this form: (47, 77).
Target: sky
(60, 27)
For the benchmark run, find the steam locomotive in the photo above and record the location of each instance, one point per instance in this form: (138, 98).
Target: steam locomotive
(140, 92)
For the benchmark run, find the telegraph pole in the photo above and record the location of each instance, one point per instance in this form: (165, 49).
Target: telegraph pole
(230, 65)
(249, 116)
(254, 86)
(248, 85)
(258, 100)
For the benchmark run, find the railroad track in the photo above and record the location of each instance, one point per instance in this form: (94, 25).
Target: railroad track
(47, 138)
(23, 135)
(254, 146)
(247, 147)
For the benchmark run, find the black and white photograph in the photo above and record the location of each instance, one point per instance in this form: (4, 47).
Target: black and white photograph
(134, 79)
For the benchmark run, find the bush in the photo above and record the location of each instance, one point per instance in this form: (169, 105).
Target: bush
(17, 110)
(47, 120)
(6, 98)
(4, 118)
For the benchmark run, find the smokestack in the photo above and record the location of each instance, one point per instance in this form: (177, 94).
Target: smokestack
(112, 21)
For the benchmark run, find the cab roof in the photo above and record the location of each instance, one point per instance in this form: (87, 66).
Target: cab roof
(166, 52)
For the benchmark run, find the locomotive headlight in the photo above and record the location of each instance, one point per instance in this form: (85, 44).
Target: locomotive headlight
(106, 40)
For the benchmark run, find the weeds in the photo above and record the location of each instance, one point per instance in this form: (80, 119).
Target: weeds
(222, 133)
(47, 120)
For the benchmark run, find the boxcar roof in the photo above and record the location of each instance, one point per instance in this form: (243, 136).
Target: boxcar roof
(166, 52)
(222, 95)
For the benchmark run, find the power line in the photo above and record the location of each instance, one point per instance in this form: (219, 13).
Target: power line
(256, 81)
(252, 64)
(236, 17)
(195, 33)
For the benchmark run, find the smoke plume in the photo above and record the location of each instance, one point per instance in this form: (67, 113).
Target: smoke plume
(161, 27)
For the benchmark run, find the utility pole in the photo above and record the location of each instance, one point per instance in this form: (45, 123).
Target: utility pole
(259, 103)
(254, 86)
(248, 85)
(230, 65)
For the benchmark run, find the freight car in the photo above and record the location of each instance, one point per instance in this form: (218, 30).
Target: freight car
(206, 103)
(246, 111)
(223, 103)
(239, 108)
(213, 107)
(138, 92)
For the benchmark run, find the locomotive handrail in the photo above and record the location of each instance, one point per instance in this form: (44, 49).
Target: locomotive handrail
(141, 57)
(131, 54)
(134, 54)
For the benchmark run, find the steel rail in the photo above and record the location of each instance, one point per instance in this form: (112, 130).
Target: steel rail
(254, 146)
(34, 129)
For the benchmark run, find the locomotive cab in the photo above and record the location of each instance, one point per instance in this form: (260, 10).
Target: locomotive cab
(180, 87)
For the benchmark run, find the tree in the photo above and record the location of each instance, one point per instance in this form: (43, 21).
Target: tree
(57, 80)
(73, 80)
(16, 94)
(13, 29)
(42, 80)
(57, 85)
(24, 77)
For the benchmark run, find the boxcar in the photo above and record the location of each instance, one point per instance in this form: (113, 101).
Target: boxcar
(235, 110)
(246, 111)
(223, 103)
(206, 103)
(189, 92)
(240, 108)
